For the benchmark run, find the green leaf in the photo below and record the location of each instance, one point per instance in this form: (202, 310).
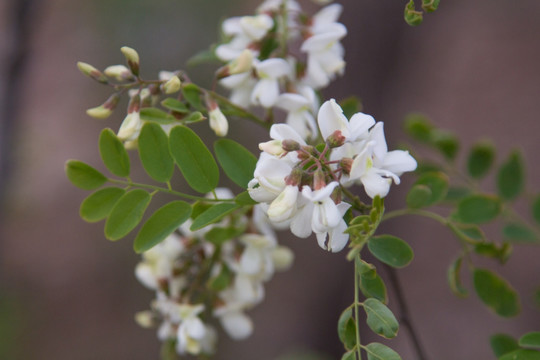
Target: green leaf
(418, 127)
(156, 115)
(347, 329)
(212, 214)
(446, 142)
(267, 47)
(501, 253)
(161, 224)
(530, 340)
(237, 161)
(194, 117)
(377, 351)
(536, 209)
(194, 159)
(113, 153)
(98, 205)
(218, 235)
(380, 319)
(454, 278)
(519, 233)
(419, 196)
(455, 194)
(192, 94)
(496, 293)
(244, 199)
(221, 281)
(175, 105)
(126, 214)
(469, 233)
(349, 355)
(437, 182)
(478, 209)
(480, 159)
(372, 286)
(502, 344)
(350, 106)
(511, 177)
(521, 354)
(430, 5)
(154, 152)
(84, 176)
(391, 250)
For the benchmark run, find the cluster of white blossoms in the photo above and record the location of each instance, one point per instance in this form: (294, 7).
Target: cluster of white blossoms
(196, 280)
(300, 187)
(280, 57)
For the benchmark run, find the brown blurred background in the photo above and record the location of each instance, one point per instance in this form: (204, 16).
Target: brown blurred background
(67, 293)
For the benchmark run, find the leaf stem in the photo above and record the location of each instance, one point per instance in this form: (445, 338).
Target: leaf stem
(434, 216)
(356, 314)
(168, 191)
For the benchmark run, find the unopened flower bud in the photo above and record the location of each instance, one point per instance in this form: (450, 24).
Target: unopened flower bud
(111, 102)
(272, 147)
(99, 112)
(290, 145)
(92, 72)
(346, 164)
(336, 139)
(132, 58)
(145, 319)
(295, 177)
(242, 63)
(172, 85)
(282, 258)
(134, 104)
(130, 128)
(319, 180)
(119, 72)
(218, 122)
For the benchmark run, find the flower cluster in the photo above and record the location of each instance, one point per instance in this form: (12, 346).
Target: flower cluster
(196, 279)
(301, 187)
(280, 57)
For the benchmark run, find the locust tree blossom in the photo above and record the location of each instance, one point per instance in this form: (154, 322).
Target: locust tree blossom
(269, 72)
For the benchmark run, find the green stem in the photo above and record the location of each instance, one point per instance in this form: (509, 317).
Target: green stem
(356, 314)
(396, 213)
(165, 190)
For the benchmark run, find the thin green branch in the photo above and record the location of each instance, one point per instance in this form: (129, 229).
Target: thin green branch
(356, 314)
(396, 213)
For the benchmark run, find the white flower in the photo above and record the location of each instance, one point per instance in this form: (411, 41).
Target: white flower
(245, 30)
(375, 167)
(330, 119)
(241, 86)
(119, 72)
(266, 91)
(335, 239)
(130, 127)
(325, 212)
(282, 257)
(191, 331)
(299, 116)
(256, 259)
(269, 180)
(218, 122)
(284, 206)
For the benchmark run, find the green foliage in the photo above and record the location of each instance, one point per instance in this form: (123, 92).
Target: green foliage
(380, 319)
(430, 5)
(212, 215)
(492, 250)
(237, 161)
(377, 351)
(126, 214)
(437, 182)
(218, 235)
(519, 233)
(362, 227)
(521, 354)
(154, 152)
(391, 250)
(480, 159)
(194, 159)
(418, 126)
(192, 94)
(175, 105)
(207, 56)
(511, 177)
(468, 233)
(347, 329)
(83, 175)
(161, 224)
(113, 153)
(244, 199)
(454, 278)
(496, 293)
(530, 340)
(350, 106)
(502, 344)
(98, 205)
(478, 209)
(194, 117)
(157, 116)
(446, 142)
(419, 196)
(349, 355)
(412, 17)
(221, 281)
(371, 284)
(536, 209)
(456, 193)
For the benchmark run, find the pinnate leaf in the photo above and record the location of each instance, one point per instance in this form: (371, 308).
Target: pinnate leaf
(530, 340)
(380, 319)
(126, 214)
(154, 152)
(496, 293)
(211, 215)
(347, 329)
(194, 159)
(83, 175)
(161, 224)
(480, 159)
(113, 153)
(511, 177)
(237, 161)
(478, 209)
(377, 351)
(391, 250)
(99, 204)
(502, 344)
(157, 116)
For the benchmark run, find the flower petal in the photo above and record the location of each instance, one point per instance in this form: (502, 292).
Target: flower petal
(331, 118)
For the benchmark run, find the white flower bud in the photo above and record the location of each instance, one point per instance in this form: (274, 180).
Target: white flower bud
(91, 72)
(218, 122)
(272, 147)
(144, 319)
(119, 72)
(130, 128)
(243, 63)
(99, 112)
(132, 58)
(282, 257)
(172, 85)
